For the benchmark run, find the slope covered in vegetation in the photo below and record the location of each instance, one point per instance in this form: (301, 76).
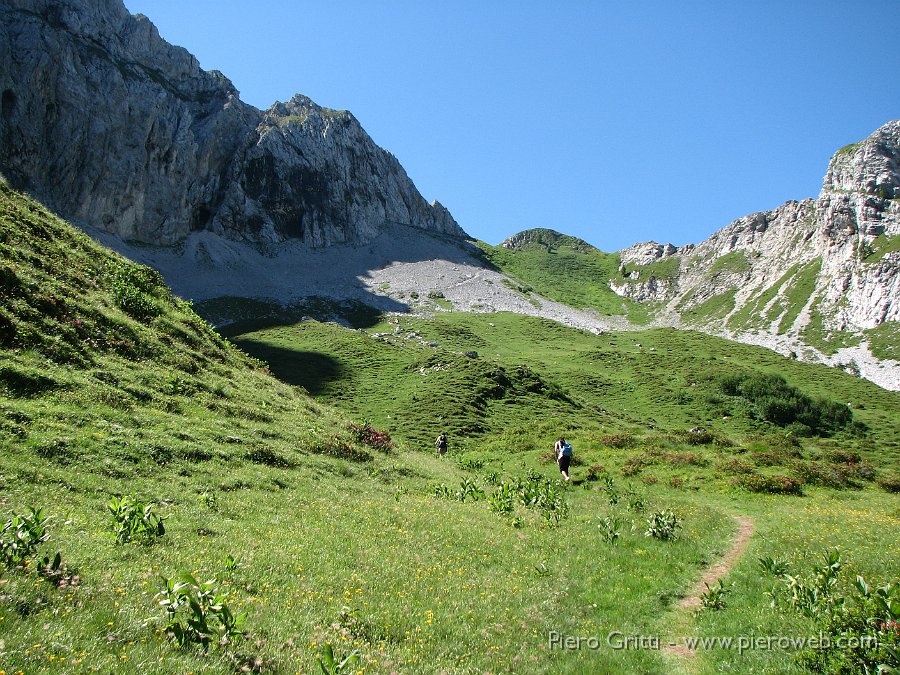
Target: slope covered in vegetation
(565, 269)
(809, 452)
(172, 465)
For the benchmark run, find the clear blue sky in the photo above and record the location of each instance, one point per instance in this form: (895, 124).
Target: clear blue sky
(617, 122)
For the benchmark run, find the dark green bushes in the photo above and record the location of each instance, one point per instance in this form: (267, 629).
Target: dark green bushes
(134, 287)
(776, 485)
(772, 399)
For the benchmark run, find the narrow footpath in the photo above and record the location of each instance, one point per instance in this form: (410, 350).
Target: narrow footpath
(678, 655)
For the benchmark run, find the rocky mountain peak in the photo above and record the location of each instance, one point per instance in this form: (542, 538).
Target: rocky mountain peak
(647, 252)
(811, 278)
(870, 167)
(117, 129)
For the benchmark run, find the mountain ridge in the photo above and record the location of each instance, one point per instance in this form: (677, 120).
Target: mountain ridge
(124, 132)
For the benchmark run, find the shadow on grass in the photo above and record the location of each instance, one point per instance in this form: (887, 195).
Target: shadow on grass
(311, 370)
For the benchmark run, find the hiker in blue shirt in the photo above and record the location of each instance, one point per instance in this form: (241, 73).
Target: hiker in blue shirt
(563, 456)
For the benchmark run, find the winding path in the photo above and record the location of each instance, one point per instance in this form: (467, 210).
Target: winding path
(676, 648)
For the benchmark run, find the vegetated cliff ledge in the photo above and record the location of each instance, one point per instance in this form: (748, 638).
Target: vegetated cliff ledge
(820, 278)
(115, 128)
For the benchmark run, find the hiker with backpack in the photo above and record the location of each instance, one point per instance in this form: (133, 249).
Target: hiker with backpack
(441, 444)
(563, 456)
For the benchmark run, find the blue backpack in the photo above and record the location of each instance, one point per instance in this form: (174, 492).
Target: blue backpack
(566, 450)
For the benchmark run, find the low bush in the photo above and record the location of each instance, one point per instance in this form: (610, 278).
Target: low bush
(338, 446)
(132, 519)
(767, 458)
(663, 525)
(736, 465)
(618, 441)
(594, 472)
(713, 598)
(368, 435)
(635, 463)
(685, 459)
(844, 457)
(197, 613)
(610, 529)
(21, 535)
(826, 475)
(865, 618)
(470, 463)
(890, 484)
(699, 437)
(774, 400)
(776, 485)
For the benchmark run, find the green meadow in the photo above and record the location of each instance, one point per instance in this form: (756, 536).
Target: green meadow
(292, 466)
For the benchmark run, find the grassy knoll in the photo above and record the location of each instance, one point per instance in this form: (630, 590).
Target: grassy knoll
(567, 270)
(320, 531)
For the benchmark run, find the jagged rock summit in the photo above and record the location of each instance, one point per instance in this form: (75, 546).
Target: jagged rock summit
(117, 129)
(817, 273)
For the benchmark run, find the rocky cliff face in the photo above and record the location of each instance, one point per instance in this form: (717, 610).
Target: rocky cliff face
(115, 128)
(816, 273)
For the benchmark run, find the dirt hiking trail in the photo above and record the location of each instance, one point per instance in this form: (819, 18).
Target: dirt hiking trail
(680, 656)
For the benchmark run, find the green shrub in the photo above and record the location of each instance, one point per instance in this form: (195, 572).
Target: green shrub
(536, 492)
(826, 475)
(442, 490)
(775, 566)
(132, 519)
(329, 664)
(610, 529)
(862, 623)
(775, 401)
(663, 525)
(197, 613)
(776, 485)
(338, 446)
(890, 484)
(844, 457)
(501, 500)
(21, 535)
(470, 463)
(469, 489)
(134, 287)
(713, 598)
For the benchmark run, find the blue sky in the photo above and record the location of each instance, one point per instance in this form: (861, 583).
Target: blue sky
(617, 122)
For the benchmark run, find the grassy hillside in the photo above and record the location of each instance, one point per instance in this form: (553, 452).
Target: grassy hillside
(567, 270)
(320, 530)
(481, 375)
(504, 386)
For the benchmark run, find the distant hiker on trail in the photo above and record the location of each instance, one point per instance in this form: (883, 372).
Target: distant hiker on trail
(563, 456)
(441, 444)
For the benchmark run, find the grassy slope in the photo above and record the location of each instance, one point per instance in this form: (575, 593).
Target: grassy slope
(97, 402)
(573, 272)
(631, 395)
(567, 272)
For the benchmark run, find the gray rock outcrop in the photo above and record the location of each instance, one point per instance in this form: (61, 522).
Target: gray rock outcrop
(810, 273)
(115, 128)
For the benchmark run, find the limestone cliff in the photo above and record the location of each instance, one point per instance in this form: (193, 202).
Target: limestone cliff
(816, 273)
(117, 129)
